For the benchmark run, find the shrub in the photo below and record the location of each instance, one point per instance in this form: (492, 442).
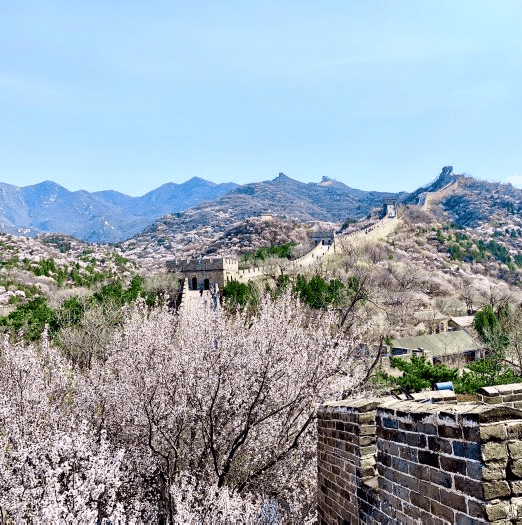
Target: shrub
(30, 319)
(455, 252)
(488, 324)
(240, 294)
(419, 374)
(485, 372)
(318, 293)
(281, 251)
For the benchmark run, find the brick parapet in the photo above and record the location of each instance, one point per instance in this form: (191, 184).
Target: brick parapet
(184, 288)
(374, 232)
(346, 466)
(433, 463)
(208, 264)
(509, 395)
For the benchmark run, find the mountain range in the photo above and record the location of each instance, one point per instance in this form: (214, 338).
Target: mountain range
(198, 205)
(104, 216)
(110, 216)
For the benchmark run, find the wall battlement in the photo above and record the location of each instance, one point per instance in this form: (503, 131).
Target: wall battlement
(210, 263)
(389, 461)
(201, 273)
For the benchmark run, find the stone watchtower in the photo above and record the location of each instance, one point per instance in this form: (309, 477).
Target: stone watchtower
(201, 273)
(390, 208)
(324, 237)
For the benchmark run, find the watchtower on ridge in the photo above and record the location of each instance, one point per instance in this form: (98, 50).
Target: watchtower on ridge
(390, 208)
(201, 273)
(325, 237)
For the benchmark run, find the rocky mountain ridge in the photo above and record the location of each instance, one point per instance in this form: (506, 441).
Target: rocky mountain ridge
(110, 216)
(485, 216)
(104, 216)
(198, 213)
(473, 203)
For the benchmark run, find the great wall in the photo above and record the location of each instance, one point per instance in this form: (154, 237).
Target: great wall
(213, 273)
(427, 459)
(430, 198)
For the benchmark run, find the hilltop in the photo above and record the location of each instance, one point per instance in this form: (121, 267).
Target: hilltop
(104, 216)
(483, 222)
(110, 216)
(55, 267)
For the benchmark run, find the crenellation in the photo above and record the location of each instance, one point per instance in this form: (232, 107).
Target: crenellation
(435, 463)
(205, 272)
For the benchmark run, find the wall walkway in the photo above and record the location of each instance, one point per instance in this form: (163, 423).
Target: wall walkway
(376, 231)
(426, 199)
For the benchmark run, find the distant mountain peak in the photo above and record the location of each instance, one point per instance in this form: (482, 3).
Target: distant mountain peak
(47, 184)
(282, 178)
(103, 216)
(199, 180)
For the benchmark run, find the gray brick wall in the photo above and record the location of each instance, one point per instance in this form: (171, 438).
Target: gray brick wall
(510, 395)
(405, 462)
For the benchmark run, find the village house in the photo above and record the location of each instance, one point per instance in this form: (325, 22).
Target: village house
(430, 322)
(444, 347)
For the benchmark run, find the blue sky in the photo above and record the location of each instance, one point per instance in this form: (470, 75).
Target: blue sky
(377, 94)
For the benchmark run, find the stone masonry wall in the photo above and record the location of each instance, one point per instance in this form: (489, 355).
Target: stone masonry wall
(195, 265)
(223, 270)
(346, 462)
(509, 395)
(376, 232)
(436, 196)
(216, 269)
(406, 462)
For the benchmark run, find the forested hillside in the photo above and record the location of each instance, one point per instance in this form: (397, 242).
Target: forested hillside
(118, 405)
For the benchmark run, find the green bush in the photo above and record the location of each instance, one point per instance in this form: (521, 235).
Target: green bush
(61, 276)
(318, 293)
(456, 253)
(115, 291)
(282, 251)
(14, 299)
(488, 324)
(419, 374)
(12, 262)
(72, 310)
(485, 372)
(119, 260)
(240, 294)
(30, 319)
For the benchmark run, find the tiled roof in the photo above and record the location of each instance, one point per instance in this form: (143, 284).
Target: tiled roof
(445, 343)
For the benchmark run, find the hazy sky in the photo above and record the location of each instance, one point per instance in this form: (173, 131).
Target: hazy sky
(128, 95)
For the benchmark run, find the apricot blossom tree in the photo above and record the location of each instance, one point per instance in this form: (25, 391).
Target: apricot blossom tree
(193, 415)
